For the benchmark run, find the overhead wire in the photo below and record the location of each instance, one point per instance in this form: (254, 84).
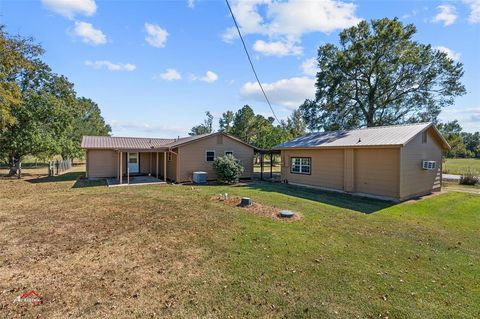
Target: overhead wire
(251, 63)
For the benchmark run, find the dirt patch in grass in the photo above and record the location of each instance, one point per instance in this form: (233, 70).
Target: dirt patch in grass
(258, 209)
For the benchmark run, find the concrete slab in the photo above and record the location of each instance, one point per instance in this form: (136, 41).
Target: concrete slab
(135, 180)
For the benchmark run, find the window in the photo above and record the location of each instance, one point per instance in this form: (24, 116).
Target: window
(301, 165)
(169, 156)
(209, 156)
(424, 137)
(229, 153)
(132, 158)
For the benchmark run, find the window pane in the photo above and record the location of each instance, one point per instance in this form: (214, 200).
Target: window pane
(210, 156)
(133, 158)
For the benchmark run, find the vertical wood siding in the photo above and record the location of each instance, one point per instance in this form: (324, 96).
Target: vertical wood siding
(349, 170)
(101, 163)
(376, 171)
(414, 180)
(326, 168)
(192, 156)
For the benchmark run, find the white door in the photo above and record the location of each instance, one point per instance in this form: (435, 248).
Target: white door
(133, 163)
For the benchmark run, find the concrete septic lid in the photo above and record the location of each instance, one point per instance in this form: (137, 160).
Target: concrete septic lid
(286, 213)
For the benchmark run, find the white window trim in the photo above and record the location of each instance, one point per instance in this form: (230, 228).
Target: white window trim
(301, 165)
(228, 151)
(214, 155)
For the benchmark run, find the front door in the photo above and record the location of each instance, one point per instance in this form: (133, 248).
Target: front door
(133, 163)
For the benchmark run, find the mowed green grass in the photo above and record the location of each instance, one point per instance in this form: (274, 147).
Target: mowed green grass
(170, 251)
(461, 165)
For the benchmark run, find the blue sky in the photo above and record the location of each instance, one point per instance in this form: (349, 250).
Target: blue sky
(155, 67)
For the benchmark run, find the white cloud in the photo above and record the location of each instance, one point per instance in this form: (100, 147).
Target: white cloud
(289, 93)
(290, 19)
(145, 129)
(70, 8)
(447, 14)
(474, 16)
(169, 75)
(191, 4)
(277, 48)
(309, 67)
(111, 66)
(450, 53)
(209, 77)
(156, 36)
(89, 34)
(468, 117)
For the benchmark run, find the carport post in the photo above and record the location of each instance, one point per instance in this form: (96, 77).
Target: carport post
(165, 167)
(121, 168)
(271, 165)
(261, 166)
(157, 166)
(128, 168)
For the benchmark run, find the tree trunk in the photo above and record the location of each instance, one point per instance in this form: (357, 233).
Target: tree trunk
(15, 166)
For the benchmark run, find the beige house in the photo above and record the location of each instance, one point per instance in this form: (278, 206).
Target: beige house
(167, 159)
(390, 162)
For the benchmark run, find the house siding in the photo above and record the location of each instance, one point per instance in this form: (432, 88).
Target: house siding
(191, 157)
(101, 163)
(327, 168)
(414, 180)
(376, 171)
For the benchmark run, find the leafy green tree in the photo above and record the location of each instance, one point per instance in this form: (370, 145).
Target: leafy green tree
(243, 123)
(296, 125)
(226, 121)
(87, 120)
(452, 133)
(46, 118)
(17, 56)
(379, 75)
(472, 143)
(205, 128)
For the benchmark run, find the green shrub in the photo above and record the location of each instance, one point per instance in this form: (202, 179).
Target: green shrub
(228, 169)
(470, 177)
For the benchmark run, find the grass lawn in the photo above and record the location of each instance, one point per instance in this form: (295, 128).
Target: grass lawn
(170, 251)
(460, 165)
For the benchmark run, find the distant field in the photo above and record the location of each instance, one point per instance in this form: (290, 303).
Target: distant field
(460, 165)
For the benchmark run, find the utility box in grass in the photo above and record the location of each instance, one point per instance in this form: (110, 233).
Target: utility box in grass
(200, 177)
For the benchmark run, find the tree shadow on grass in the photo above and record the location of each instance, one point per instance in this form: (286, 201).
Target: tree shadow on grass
(71, 176)
(360, 204)
(78, 177)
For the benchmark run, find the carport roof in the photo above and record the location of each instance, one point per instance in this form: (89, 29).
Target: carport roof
(394, 135)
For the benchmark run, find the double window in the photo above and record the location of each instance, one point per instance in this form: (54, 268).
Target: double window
(210, 156)
(301, 165)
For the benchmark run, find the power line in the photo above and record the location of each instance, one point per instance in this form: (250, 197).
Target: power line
(251, 63)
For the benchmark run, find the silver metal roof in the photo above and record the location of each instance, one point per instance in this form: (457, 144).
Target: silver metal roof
(394, 135)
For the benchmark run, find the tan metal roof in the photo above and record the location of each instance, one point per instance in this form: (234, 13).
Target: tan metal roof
(141, 143)
(394, 135)
(111, 142)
